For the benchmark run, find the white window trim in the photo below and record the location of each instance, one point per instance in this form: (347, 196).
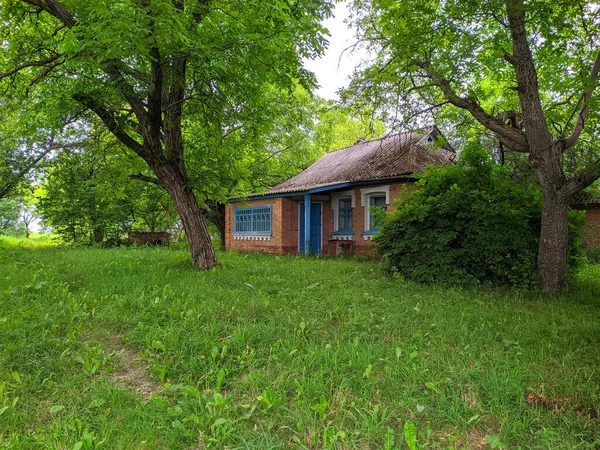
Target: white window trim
(249, 235)
(245, 237)
(335, 205)
(365, 195)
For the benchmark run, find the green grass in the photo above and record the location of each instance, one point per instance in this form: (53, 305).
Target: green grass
(270, 352)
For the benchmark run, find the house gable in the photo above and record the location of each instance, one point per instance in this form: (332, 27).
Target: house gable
(392, 157)
(341, 187)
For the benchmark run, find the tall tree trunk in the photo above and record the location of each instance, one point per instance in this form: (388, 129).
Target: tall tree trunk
(543, 155)
(160, 126)
(553, 268)
(554, 244)
(199, 241)
(192, 219)
(98, 235)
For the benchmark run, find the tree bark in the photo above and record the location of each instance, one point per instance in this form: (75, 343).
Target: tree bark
(196, 231)
(199, 241)
(553, 268)
(553, 251)
(543, 155)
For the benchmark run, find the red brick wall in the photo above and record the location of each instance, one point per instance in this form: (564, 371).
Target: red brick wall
(285, 226)
(290, 226)
(591, 231)
(272, 246)
(361, 245)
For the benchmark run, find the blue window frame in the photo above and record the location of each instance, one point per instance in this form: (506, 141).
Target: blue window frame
(379, 202)
(252, 221)
(345, 214)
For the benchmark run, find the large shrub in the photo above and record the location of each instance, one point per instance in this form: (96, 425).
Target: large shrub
(467, 223)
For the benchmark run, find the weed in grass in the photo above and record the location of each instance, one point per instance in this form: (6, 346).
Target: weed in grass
(132, 348)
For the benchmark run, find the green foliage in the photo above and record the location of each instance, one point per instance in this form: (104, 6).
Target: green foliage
(190, 87)
(592, 252)
(10, 211)
(467, 223)
(247, 112)
(87, 195)
(465, 43)
(270, 352)
(339, 127)
(500, 62)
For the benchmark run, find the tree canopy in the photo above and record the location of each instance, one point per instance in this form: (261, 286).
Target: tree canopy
(525, 71)
(88, 195)
(148, 69)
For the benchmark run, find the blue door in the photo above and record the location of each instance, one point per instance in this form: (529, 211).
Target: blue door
(315, 228)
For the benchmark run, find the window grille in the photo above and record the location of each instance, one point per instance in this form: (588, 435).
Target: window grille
(379, 202)
(345, 214)
(254, 221)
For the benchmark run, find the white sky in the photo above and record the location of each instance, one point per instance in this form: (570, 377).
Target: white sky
(334, 68)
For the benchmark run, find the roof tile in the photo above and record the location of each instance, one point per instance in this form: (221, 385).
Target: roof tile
(395, 155)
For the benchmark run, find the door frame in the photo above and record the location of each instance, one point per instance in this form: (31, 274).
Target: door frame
(300, 219)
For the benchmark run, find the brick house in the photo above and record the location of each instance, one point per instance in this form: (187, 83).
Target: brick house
(591, 205)
(334, 196)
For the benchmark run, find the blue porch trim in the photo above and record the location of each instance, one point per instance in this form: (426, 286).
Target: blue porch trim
(307, 224)
(331, 187)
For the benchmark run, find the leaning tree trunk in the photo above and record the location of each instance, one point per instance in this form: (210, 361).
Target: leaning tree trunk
(160, 126)
(199, 241)
(553, 253)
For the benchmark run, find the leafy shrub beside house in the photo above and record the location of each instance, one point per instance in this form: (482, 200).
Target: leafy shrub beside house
(468, 223)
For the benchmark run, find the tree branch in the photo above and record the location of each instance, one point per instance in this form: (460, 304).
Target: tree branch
(25, 170)
(145, 178)
(25, 65)
(54, 8)
(512, 137)
(111, 68)
(155, 93)
(582, 179)
(110, 122)
(509, 58)
(584, 102)
(42, 75)
(173, 115)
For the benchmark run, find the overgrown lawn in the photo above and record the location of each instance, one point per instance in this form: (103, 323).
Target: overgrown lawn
(131, 348)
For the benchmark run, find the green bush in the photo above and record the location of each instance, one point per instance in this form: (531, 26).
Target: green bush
(592, 252)
(468, 223)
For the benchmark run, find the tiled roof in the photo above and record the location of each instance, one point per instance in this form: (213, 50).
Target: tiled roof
(392, 156)
(585, 198)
